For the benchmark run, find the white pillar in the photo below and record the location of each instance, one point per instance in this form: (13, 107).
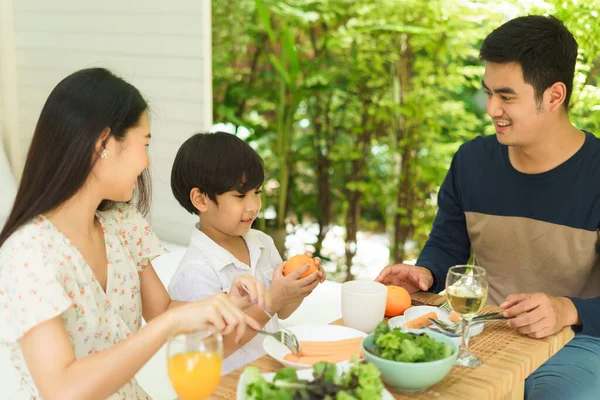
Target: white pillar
(8, 88)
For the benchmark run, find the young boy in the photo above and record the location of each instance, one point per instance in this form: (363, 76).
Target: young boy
(218, 177)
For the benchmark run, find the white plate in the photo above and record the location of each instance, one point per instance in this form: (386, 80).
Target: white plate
(417, 311)
(317, 333)
(302, 374)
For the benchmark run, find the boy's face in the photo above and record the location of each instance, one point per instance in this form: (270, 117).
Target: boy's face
(518, 118)
(234, 213)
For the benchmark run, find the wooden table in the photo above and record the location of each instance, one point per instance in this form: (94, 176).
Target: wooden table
(508, 358)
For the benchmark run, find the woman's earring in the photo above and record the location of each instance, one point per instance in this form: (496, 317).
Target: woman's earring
(104, 154)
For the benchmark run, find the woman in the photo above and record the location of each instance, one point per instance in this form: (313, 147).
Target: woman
(75, 259)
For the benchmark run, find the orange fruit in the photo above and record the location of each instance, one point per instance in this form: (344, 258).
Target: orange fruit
(398, 300)
(297, 262)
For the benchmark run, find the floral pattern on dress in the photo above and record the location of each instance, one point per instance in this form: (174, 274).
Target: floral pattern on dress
(42, 275)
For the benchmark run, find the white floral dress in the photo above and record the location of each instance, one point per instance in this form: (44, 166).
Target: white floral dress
(42, 275)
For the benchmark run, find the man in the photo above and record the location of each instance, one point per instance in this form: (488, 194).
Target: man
(527, 203)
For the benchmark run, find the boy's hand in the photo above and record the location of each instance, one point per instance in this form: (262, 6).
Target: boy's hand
(322, 274)
(246, 290)
(292, 288)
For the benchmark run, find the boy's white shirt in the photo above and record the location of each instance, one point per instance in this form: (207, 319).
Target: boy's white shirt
(207, 269)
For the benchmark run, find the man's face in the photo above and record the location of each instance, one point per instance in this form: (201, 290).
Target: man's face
(518, 118)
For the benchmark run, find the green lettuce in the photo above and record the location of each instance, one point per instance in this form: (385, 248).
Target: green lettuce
(360, 382)
(396, 345)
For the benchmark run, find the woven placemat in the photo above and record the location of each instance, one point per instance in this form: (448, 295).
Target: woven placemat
(508, 358)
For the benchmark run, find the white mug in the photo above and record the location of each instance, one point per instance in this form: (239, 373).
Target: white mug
(363, 304)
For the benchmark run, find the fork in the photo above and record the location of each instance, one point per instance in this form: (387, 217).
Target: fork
(493, 316)
(446, 307)
(286, 337)
(456, 327)
(283, 335)
(443, 328)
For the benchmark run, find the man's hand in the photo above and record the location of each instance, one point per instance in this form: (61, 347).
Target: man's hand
(410, 277)
(538, 315)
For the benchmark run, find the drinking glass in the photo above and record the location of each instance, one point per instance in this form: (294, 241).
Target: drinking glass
(363, 304)
(466, 290)
(194, 361)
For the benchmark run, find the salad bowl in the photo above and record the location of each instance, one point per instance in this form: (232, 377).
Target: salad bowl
(412, 376)
(251, 375)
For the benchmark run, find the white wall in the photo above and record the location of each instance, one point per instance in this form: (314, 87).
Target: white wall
(9, 115)
(162, 47)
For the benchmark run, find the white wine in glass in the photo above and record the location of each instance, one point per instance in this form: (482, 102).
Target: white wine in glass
(466, 290)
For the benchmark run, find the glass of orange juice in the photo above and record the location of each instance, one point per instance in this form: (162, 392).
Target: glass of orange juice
(194, 361)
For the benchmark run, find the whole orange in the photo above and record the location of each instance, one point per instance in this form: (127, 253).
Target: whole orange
(398, 300)
(297, 262)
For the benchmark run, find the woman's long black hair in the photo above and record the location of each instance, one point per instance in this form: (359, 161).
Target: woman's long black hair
(63, 149)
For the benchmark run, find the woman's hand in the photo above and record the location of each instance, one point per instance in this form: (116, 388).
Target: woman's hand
(246, 290)
(219, 310)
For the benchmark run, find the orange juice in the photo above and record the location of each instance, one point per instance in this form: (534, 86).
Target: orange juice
(194, 374)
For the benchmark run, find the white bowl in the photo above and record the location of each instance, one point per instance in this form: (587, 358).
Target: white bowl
(302, 374)
(417, 311)
(317, 333)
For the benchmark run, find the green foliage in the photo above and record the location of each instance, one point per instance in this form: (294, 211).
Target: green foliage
(370, 98)
(582, 19)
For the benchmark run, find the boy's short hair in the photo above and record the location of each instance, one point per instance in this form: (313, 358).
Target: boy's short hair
(542, 46)
(214, 163)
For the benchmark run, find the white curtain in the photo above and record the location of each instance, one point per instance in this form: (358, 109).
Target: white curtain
(8, 188)
(8, 111)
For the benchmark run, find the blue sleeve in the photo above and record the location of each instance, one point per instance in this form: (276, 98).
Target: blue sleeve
(448, 242)
(589, 313)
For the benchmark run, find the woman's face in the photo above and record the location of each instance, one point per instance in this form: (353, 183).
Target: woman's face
(116, 175)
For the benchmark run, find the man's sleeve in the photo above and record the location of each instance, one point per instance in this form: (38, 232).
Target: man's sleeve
(588, 310)
(448, 242)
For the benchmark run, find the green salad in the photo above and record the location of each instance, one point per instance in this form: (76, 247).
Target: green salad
(397, 345)
(360, 382)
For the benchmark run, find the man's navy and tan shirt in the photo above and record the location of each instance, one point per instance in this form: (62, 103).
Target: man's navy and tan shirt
(531, 232)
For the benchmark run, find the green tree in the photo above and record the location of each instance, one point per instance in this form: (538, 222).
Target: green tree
(357, 107)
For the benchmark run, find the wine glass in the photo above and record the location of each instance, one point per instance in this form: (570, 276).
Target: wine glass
(466, 290)
(194, 361)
